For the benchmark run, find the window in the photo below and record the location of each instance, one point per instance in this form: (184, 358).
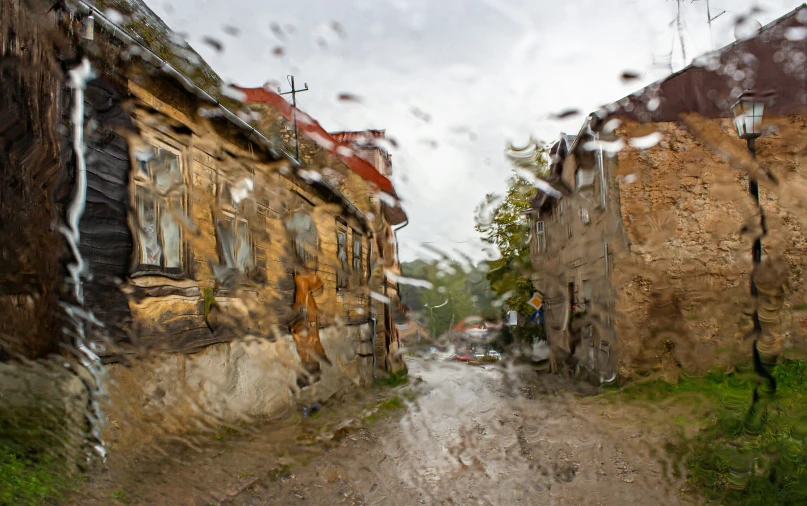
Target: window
(341, 255)
(303, 232)
(585, 179)
(584, 215)
(235, 241)
(160, 196)
(540, 236)
(357, 257)
(587, 292)
(235, 244)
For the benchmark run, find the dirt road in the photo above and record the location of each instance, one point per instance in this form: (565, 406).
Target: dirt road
(468, 435)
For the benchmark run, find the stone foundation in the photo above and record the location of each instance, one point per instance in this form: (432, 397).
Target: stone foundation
(243, 381)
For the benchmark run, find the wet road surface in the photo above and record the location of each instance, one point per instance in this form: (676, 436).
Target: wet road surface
(467, 435)
(481, 435)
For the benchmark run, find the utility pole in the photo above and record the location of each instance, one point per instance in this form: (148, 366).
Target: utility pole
(294, 91)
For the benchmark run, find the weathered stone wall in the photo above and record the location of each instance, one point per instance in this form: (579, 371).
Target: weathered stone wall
(242, 381)
(581, 234)
(170, 313)
(683, 283)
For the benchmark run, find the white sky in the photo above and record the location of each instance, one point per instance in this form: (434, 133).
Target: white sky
(484, 71)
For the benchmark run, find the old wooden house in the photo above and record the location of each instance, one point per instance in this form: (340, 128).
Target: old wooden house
(191, 235)
(645, 254)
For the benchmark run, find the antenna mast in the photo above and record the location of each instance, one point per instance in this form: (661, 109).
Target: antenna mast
(710, 19)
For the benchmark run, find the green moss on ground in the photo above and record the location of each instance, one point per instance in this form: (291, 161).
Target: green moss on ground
(32, 455)
(392, 379)
(740, 456)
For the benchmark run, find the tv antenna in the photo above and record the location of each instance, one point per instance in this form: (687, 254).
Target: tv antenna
(711, 18)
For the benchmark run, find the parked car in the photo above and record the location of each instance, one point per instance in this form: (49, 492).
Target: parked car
(494, 354)
(479, 353)
(460, 358)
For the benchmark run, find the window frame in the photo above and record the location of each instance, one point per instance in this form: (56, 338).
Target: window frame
(308, 259)
(540, 236)
(342, 266)
(357, 264)
(228, 209)
(140, 182)
(236, 219)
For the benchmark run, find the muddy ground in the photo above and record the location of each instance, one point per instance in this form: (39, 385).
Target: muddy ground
(456, 434)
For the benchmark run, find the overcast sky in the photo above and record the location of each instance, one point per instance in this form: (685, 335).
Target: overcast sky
(453, 80)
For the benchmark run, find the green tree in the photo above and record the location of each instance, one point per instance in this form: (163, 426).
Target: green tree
(457, 291)
(503, 223)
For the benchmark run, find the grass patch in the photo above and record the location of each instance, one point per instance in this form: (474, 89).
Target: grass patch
(392, 380)
(739, 456)
(28, 480)
(279, 472)
(120, 496)
(385, 408)
(34, 448)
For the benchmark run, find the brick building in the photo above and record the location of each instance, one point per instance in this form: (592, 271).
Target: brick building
(645, 259)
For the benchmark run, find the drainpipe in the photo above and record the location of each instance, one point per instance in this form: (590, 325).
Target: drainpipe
(374, 323)
(601, 163)
(397, 259)
(395, 232)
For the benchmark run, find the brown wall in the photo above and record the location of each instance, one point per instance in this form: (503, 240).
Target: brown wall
(683, 284)
(265, 301)
(574, 265)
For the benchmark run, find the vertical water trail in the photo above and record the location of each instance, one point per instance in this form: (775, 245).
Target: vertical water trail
(78, 81)
(79, 76)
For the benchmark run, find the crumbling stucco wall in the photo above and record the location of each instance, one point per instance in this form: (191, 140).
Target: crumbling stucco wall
(683, 284)
(242, 381)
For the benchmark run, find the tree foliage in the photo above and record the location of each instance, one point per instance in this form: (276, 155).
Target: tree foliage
(503, 223)
(457, 292)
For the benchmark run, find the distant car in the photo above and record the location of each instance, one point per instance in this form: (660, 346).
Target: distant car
(494, 354)
(460, 358)
(479, 353)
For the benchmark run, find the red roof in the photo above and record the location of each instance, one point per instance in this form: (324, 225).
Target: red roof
(316, 133)
(351, 137)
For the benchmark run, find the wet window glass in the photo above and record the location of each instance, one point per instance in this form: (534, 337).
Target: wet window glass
(499, 252)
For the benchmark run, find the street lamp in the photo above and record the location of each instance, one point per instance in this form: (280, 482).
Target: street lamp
(748, 120)
(748, 116)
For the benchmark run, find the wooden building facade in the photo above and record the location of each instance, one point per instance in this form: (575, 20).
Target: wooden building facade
(198, 226)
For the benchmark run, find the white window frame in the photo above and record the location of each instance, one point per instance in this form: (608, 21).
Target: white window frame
(141, 182)
(540, 236)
